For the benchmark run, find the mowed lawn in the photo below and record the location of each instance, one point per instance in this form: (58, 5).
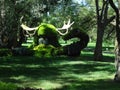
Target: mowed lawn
(62, 72)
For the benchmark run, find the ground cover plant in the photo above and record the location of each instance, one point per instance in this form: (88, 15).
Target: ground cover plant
(60, 73)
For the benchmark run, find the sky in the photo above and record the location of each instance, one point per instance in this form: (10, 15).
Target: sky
(79, 1)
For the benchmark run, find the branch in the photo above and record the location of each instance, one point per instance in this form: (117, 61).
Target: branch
(110, 32)
(106, 10)
(117, 20)
(103, 10)
(97, 9)
(110, 20)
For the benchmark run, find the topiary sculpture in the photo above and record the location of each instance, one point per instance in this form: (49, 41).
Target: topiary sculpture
(48, 34)
(75, 48)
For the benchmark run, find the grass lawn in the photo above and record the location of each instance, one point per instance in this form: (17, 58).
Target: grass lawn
(61, 73)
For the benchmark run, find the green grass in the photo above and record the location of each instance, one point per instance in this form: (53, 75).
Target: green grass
(60, 73)
(7, 86)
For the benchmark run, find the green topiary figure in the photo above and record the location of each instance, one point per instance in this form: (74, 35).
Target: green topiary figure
(75, 48)
(47, 32)
(43, 50)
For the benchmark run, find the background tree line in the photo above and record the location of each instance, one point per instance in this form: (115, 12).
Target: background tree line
(93, 17)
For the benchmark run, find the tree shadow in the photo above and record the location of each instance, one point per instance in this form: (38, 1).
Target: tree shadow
(69, 72)
(91, 85)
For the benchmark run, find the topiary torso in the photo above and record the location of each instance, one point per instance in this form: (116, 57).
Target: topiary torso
(48, 31)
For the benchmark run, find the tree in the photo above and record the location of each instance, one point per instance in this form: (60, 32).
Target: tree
(35, 12)
(117, 50)
(2, 21)
(102, 22)
(8, 24)
(10, 31)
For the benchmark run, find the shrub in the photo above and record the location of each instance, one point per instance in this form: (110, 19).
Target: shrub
(44, 50)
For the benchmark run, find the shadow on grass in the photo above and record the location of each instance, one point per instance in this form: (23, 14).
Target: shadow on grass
(92, 85)
(106, 58)
(60, 73)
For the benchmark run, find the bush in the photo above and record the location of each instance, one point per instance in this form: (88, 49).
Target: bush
(44, 50)
(5, 52)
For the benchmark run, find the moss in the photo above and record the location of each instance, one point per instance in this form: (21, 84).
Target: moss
(47, 31)
(44, 50)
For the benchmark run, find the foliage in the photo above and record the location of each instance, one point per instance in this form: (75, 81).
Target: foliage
(37, 11)
(11, 11)
(5, 52)
(44, 50)
(103, 20)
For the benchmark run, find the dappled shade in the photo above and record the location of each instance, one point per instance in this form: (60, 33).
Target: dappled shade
(60, 73)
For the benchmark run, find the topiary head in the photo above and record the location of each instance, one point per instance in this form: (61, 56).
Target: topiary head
(47, 30)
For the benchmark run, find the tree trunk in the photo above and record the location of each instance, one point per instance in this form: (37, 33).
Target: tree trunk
(98, 48)
(101, 24)
(3, 35)
(117, 50)
(8, 24)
